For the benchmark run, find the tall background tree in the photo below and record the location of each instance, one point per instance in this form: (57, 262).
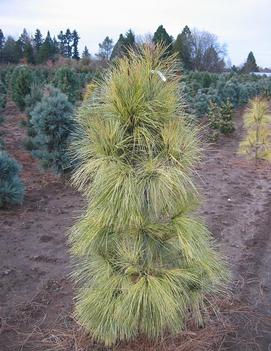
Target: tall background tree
(123, 45)
(86, 57)
(26, 47)
(61, 38)
(75, 51)
(47, 50)
(68, 43)
(250, 64)
(206, 45)
(105, 49)
(37, 41)
(11, 52)
(161, 36)
(2, 43)
(183, 47)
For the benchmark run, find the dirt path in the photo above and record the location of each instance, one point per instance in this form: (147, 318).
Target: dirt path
(34, 288)
(237, 199)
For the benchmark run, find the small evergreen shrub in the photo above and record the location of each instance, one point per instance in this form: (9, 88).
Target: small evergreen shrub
(226, 123)
(214, 121)
(31, 100)
(257, 122)
(52, 124)
(35, 95)
(67, 80)
(214, 115)
(21, 82)
(11, 187)
(200, 103)
(3, 100)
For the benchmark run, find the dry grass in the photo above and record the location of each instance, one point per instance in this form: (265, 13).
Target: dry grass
(68, 335)
(238, 326)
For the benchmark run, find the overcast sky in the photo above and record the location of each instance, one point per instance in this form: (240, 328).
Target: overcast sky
(244, 25)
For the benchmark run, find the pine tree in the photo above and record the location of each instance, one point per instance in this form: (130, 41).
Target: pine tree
(21, 81)
(11, 52)
(38, 40)
(182, 46)
(257, 121)
(26, 47)
(2, 39)
(214, 119)
(68, 43)
(75, 52)
(145, 263)
(68, 82)
(105, 49)
(85, 53)
(162, 37)
(123, 45)
(47, 49)
(53, 124)
(24, 38)
(226, 124)
(250, 65)
(2, 43)
(118, 48)
(86, 57)
(61, 37)
(11, 186)
(28, 53)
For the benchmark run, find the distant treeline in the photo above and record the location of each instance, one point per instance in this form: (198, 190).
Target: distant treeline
(196, 50)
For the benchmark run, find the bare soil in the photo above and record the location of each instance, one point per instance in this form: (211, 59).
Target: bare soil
(35, 292)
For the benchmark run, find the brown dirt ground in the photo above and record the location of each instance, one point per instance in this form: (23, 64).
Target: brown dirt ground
(36, 297)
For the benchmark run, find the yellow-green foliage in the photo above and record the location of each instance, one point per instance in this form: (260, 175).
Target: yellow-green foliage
(257, 122)
(144, 262)
(88, 91)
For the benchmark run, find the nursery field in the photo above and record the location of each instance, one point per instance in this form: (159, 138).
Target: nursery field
(36, 296)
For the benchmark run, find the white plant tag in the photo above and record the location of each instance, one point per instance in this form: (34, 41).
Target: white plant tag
(160, 74)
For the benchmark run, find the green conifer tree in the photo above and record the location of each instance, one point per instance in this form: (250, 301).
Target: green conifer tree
(75, 52)
(214, 120)
(257, 122)
(68, 82)
(161, 36)
(37, 40)
(11, 186)
(52, 123)
(183, 47)
(2, 43)
(61, 37)
(47, 49)
(11, 52)
(21, 81)
(2, 39)
(226, 124)
(105, 49)
(123, 45)
(145, 263)
(250, 64)
(68, 39)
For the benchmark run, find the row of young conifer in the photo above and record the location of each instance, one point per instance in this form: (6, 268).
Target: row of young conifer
(145, 262)
(49, 97)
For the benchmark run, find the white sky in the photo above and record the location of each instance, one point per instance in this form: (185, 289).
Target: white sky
(244, 25)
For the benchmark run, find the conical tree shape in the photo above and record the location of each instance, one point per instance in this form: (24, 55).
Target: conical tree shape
(144, 261)
(214, 115)
(257, 122)
(226, 124)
